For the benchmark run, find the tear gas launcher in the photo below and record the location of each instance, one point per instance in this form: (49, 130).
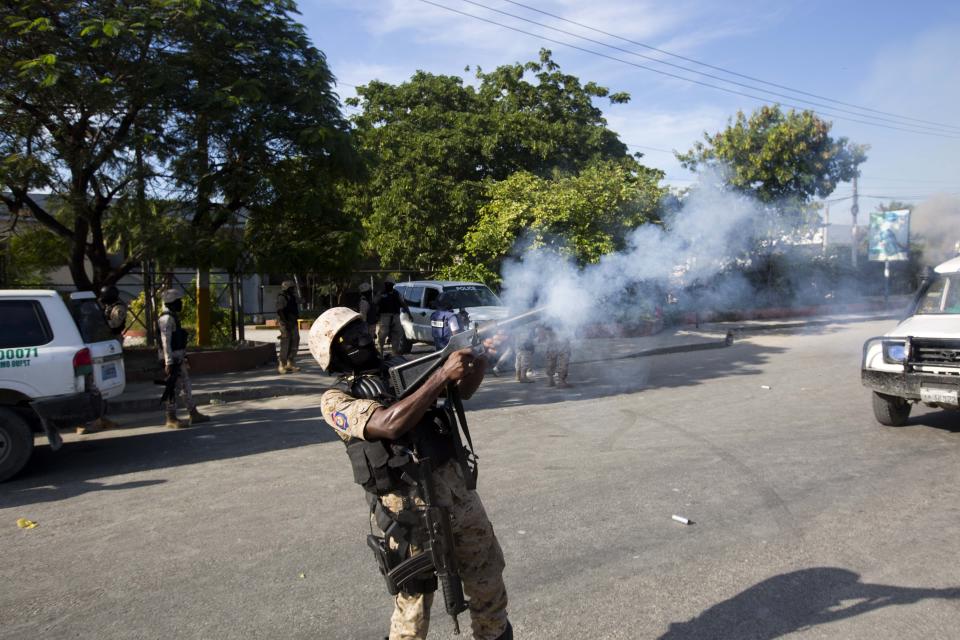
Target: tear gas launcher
(409, 376)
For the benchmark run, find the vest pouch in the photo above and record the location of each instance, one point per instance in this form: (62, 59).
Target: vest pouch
(358, 462)
(178, 341)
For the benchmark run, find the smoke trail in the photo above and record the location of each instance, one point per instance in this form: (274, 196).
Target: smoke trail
(710, 230)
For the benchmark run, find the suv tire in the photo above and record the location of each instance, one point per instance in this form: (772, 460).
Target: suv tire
(16, 443)
(890, 411)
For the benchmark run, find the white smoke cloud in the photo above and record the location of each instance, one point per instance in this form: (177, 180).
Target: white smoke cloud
(712, 227)
(935, 223)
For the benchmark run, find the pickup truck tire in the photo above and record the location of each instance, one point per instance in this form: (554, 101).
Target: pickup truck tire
(890, 411)
(16, 443)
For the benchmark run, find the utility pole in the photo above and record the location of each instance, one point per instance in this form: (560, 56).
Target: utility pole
(854, 210)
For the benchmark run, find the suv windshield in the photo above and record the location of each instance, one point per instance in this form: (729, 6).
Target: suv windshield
(89, 318)
(471, 295)
(942, 296)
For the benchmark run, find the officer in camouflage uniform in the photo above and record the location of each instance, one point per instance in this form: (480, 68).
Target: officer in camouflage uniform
(288, 319)
(385, 438)
(558, 356)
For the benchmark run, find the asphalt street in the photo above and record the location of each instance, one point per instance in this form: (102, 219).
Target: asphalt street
(809, 520)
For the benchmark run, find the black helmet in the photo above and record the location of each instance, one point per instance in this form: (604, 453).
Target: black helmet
(109, 294)
(444, 302)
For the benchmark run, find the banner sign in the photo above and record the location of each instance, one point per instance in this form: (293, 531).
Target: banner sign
(889, 235)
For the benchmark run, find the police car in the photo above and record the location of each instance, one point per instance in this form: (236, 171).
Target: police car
(421, 296)
(919, 360)
(59, 362)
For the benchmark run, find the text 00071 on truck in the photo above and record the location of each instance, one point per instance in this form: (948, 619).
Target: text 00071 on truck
(59, 362)
(918, 360)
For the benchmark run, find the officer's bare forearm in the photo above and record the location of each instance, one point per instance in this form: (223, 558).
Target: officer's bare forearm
(389, 423)
(471, 382)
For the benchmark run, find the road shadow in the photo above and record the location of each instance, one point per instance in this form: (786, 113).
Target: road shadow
(76, 468)
(800, 599)
(624, 375)
(944, 419)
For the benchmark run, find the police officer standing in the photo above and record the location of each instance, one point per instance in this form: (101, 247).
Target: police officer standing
(390, 305)
(387, 440)
(445, 322)
(172, 349)
(368, 310)
(114, 311)
(288, 316)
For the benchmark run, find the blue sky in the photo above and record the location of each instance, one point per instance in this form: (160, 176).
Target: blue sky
(896, 57)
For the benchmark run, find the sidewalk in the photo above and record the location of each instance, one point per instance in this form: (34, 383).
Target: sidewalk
(265, 382)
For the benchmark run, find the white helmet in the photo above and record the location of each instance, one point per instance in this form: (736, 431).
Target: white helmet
(324, 330)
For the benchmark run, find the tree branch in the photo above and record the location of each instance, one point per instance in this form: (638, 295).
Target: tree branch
(41, 214)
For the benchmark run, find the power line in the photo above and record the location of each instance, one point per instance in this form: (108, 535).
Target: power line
(725, 70)
(938, 129)
(678, 77)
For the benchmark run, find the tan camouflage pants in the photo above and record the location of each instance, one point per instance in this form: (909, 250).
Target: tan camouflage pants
(558, 362)
(479, 558)
(184, 389)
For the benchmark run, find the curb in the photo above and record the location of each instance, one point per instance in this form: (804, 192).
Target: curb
(144, 405)
(794, 324)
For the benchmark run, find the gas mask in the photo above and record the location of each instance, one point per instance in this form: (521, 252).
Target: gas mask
(354, 348)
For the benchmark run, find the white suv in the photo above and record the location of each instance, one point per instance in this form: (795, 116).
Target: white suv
(421, 296)
(58, 364)
(919, 360)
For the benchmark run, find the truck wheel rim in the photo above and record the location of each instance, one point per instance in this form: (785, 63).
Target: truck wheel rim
(6, 445)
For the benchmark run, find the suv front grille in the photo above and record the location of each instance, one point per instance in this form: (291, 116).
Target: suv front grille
(935, 352)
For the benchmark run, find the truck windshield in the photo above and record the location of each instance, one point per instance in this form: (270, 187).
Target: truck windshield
(942, 296)
(470, 295)
(89, 318)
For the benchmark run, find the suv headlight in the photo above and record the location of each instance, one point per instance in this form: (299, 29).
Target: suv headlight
(894, 351)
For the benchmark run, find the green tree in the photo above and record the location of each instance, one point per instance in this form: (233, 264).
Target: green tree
(434, 144)
(783, 159)
(584, 216)
(108, 103)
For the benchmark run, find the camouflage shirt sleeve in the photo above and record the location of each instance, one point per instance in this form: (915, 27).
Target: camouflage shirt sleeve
(347, 415)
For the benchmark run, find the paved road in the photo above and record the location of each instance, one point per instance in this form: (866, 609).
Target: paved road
(811, 521)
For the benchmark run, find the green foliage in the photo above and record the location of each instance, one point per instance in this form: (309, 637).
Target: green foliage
(584, 216)
(435, 145)
(782, 159)
(30, 254)
(110, 104)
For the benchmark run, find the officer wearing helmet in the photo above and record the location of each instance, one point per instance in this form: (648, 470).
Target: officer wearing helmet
(288, 316)
(385, 438)
(172, 349)
(114, 311)
(389, 305)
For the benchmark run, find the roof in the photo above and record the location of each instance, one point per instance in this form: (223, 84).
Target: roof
(27, 293)
(442, 283)
(950, 266)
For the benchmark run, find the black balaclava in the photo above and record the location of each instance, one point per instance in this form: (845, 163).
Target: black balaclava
(353, 350)
(176, 306)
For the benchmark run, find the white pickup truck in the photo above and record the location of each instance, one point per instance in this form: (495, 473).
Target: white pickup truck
(58, 364)
(919, 360)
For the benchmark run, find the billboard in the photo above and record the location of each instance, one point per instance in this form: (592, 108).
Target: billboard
(889, 235)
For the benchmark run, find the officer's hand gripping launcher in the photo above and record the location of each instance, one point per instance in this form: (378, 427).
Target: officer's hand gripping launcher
(409, 376)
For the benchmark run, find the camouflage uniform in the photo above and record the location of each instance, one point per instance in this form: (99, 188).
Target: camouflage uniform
(558, 357)
(478, 553)
(524, 347)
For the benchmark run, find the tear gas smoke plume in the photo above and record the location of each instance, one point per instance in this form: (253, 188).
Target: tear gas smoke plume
(696, 242)
(935, 223)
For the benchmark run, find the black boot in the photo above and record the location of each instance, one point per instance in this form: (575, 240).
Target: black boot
(507, 633)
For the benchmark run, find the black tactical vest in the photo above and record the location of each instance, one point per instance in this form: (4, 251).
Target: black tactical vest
(178, 340)
(385, 466)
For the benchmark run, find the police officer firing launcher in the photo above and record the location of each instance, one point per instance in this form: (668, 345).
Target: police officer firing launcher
(407, 455)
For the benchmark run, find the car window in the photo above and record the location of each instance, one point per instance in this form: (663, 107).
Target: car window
(430, 299)
(23, 324)
(89, 318)
(412, 296)
(943, 296)
(471, 295)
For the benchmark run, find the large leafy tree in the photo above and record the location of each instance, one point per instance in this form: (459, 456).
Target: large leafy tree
(584, 216)
(783, 159)
(434, 144)
(192, 102)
